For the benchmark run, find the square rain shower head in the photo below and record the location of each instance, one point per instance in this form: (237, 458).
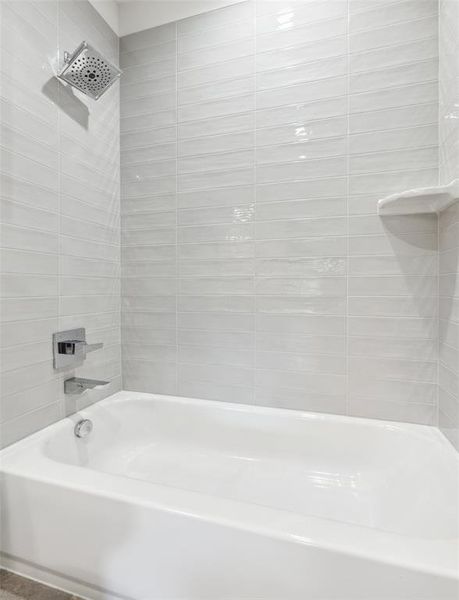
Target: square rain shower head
(87, 70)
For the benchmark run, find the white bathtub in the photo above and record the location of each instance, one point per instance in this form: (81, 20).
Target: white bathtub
(174, 498)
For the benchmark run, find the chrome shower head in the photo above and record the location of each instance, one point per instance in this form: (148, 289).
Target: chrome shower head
(89, 71)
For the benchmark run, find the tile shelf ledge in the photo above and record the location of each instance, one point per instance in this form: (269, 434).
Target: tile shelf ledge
(420, 200)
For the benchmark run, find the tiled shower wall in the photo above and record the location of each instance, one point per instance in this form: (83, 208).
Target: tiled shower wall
(256, 140)
(449, 222)
(59, 211)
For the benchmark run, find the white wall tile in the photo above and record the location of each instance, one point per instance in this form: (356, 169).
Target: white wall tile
(216, 54)
(376, 37)
(399, 54)
(302, 34)
(287, 284)
(60, 178)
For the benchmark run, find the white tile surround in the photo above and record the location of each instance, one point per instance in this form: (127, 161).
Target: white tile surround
(255, 142)
(59, 211)
(449, 222)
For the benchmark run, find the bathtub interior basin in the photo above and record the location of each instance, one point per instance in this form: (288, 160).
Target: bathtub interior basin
(397, 478)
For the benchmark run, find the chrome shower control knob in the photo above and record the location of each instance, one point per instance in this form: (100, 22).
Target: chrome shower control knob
(83, 428)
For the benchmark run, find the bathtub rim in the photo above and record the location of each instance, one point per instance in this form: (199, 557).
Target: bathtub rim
(429, 433)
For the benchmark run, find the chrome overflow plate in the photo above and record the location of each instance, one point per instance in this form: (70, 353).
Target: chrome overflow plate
(83, 428)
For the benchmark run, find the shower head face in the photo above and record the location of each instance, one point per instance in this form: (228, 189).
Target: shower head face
(87, 70)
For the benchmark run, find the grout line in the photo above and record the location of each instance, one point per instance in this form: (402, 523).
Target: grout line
(177, 285)
(60, 397)
(255, 199)
(348, 107)
(438, 344)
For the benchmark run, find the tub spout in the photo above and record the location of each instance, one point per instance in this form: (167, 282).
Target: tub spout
(77, 385)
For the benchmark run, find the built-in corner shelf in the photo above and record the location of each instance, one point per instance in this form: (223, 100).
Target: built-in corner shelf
(420, 200)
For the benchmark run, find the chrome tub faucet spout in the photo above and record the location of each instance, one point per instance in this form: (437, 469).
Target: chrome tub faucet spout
(77, 385)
